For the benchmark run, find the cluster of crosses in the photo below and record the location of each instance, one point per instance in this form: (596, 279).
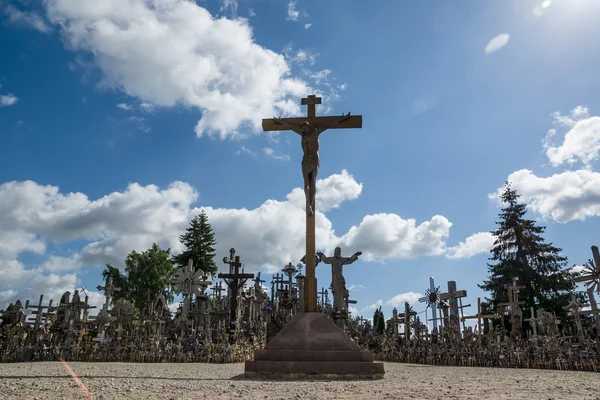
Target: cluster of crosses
(237, 301)
(451, 324)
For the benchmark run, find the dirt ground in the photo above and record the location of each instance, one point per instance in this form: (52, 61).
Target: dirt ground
(209, 381)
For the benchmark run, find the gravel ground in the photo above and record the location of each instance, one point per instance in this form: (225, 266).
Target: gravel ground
(50, 381)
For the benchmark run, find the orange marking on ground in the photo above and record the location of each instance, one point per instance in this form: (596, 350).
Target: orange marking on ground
(78, 381)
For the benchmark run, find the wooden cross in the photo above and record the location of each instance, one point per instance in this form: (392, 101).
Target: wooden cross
(324, 298)
(108, 289)
(594, 308)
(234, 280)
(39, 313)
(479, 316)
(533, 321)
(310, 127)
(274, 280)
(574, 309)
(513, 303)
(258, 281)
(289, 271)
(452, 295)
(405, 318)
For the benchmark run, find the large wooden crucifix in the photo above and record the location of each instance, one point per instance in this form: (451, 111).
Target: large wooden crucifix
(309, 128)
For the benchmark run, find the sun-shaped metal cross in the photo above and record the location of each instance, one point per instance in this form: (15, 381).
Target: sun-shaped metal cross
(590, 274)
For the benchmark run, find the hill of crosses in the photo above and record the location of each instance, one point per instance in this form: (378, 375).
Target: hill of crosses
(236, 316)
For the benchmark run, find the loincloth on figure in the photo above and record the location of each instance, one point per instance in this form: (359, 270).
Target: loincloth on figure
(310, 164)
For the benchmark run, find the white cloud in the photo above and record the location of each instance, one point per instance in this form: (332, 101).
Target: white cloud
(119, 222)
(124, 106)
(269, 152)
(497, 43)
(175, 52)
(477, 243)
(56, 263)
(409, 297)
(563, 197)
(581, 143)
(147, 107)
(355, 287)
(568, 195)
(299, 56)
(251, 13)
(307, 26)
(381, 236)
(8, 99)
(19, 282)
(292, 13)
(29, 19)
(245, 150)
(230, 6)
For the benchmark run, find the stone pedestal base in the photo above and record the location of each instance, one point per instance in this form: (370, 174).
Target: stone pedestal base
(311, 346)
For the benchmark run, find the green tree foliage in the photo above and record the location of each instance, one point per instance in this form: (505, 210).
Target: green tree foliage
(520, 252)
(378, 322)
(199, 242)
(146, 276)
(119, 282)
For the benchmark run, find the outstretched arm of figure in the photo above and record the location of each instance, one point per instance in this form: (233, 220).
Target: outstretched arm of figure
(350, 260)
(290, 127)
(337, 121)
(323, 259)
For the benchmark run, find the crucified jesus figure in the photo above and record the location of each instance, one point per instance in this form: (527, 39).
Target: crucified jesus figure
(310, 161)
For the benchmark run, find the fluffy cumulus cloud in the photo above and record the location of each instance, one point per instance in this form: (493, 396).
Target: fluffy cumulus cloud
(8, 99)
(570, 194)
(475, 244)
(409, 297)
(582, 141)
(382, 236)
(111, 226)
(174, 52)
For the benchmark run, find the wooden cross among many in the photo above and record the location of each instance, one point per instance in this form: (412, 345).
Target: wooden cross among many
(533, 321)
(39, 312)
(594, 308)
(513, 303)
(324, 298)
(309, 128)
(574, 309)
(258, 284)
(405, 318)
(479, 316)
(453, 295)
(235, 281)
(289, 270)
(108, 289)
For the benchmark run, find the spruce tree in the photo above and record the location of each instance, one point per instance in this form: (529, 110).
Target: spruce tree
(199, 242)
(521, 252)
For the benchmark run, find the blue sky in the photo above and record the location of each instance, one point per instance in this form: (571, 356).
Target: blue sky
(120, 120)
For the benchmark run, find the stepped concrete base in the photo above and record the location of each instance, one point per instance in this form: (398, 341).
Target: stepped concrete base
(312, 346)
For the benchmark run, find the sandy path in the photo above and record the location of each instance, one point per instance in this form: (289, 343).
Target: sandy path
(198, 381)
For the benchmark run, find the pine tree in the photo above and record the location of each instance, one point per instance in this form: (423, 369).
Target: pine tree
(378, 321)
(521, 252)
(199, 242)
